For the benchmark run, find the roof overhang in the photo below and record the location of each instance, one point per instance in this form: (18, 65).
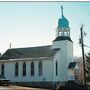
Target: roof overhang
(72, 65)
(26, 59)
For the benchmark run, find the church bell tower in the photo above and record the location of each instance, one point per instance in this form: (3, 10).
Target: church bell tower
(62, 31)
(64, 45)
(63, 26)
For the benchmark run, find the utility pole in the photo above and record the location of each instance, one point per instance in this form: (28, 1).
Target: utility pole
(82, 44)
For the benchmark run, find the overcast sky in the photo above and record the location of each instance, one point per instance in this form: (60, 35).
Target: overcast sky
(29, 24)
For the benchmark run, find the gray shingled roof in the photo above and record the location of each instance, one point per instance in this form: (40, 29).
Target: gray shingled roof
(30, 52)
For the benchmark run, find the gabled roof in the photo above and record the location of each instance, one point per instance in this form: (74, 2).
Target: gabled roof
(72, 65)
(60, 38)
(30, 52)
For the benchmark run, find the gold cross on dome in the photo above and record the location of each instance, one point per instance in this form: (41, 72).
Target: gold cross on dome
(62, 10)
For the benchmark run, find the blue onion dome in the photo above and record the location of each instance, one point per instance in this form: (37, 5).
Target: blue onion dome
(63, 22)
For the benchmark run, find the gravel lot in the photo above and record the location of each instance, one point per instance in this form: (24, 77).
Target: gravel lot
(13, 87)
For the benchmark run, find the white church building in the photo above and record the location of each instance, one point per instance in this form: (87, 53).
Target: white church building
(42, 66)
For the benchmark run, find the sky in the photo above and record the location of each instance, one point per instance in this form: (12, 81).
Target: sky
(30, 24)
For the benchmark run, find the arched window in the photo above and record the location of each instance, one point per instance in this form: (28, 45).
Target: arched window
(2, 69)
(16, 69)
(56, 68)
(40, 68)
(32, 69)
(65, 33)
(24, 69)
(60, 33)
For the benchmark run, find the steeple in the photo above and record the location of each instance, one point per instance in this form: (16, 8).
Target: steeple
(64, 46)
(63, 26)
(63, 22)
(62, 10)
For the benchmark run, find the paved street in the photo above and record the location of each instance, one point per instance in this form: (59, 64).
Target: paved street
(12, 87)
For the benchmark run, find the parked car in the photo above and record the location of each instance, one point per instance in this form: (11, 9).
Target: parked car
(4, 81)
